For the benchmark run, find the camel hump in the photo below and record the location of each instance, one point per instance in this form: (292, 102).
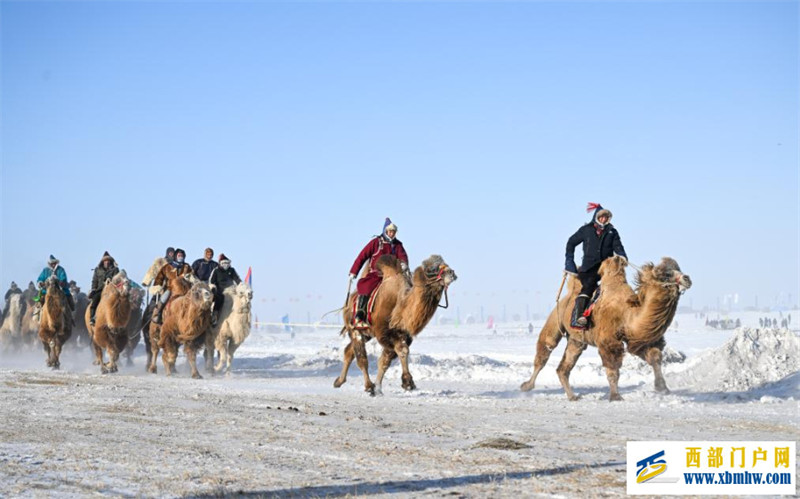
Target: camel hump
(388, 265)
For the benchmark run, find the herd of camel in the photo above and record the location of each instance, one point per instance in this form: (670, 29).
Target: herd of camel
(120, 323)
(624, 318)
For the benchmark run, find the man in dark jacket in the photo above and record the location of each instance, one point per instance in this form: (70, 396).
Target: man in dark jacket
(222, 277)
(106, 269)
(600, 241)
(13, 290)
(385, 244)
(202, 267)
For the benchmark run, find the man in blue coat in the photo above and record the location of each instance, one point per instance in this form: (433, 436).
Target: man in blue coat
(53, 267)
(600, 241)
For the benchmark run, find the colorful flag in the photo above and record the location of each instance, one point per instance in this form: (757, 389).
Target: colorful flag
(249, 277)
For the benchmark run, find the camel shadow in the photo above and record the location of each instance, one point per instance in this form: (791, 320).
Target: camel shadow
(421, 485)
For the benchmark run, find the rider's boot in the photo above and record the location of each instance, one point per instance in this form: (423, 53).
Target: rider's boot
(361, 312)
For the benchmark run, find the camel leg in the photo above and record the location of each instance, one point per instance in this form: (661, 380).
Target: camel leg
(232, 346)
(571, 355)
(191, 355)
(56, 352)
(152, 357)
(349, 354)
(612, 360)
(401, 349)
(360, 351)
(653, 357)
(169, 355)
(208, 353)
(113, 358)
(549, 339)
(223, 354)
(98, 354)
(387, 356)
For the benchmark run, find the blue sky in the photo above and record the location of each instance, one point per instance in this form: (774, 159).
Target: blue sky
(283, 133)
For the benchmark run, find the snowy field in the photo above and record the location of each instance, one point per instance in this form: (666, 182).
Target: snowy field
(278, 428)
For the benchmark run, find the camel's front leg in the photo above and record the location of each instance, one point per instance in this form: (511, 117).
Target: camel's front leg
(56, 352)
(98, 355)
(208, 353)
(571, 355)
(360, 351)
(549, 338)
(401, 349)
(232, 346)
(611, 354)
(653, 357)
(152, 358)
(191, 355)
(349, 354)
(222, 355)
(170, 353)
(387, 356)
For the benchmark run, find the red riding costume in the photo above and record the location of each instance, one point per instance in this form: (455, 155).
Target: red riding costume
(377, 247)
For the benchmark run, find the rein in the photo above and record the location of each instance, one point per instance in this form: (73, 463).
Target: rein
(431, 279)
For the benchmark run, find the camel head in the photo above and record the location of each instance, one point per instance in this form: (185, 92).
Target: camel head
(613, 267)
(667, 273)
(201, 295)
(53, 284)
(120, 283)
(244, 295)
(435, 269)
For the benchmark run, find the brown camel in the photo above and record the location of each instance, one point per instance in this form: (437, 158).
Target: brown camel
(402, 309)
(187, 320)
(55, 324)
(622, 319)
(134, 326)
(111, 319)
(148, 328)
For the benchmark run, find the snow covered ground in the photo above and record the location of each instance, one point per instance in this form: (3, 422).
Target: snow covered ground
(278, 428)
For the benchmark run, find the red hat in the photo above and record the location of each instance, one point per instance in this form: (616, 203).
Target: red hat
(223, 257)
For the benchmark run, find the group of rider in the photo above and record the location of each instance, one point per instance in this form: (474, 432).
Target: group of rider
(218, 275)
(599, 239)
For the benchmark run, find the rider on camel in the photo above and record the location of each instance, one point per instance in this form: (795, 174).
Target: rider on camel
(385, 244)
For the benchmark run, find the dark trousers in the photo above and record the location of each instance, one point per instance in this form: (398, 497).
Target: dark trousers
(95, 301)
(219, 299)
(589, 280)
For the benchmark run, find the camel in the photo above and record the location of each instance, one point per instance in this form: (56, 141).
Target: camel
(55, 323)
(81, 331)
(30, 322)
(187, 320)
(147, 327)
(11, 330)
(232, 328)
(622, 320)
(402, 309)
(134, 326)
(111, 320)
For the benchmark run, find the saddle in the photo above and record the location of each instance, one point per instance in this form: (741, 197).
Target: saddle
(573, 323)
(370, 307)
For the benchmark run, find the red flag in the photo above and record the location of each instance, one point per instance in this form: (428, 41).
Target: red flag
(249, 277)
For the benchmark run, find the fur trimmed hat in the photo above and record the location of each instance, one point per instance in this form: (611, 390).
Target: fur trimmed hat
(52, 260)
(389, 225)
(223, 257)
(106, 256)
(598, 211)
